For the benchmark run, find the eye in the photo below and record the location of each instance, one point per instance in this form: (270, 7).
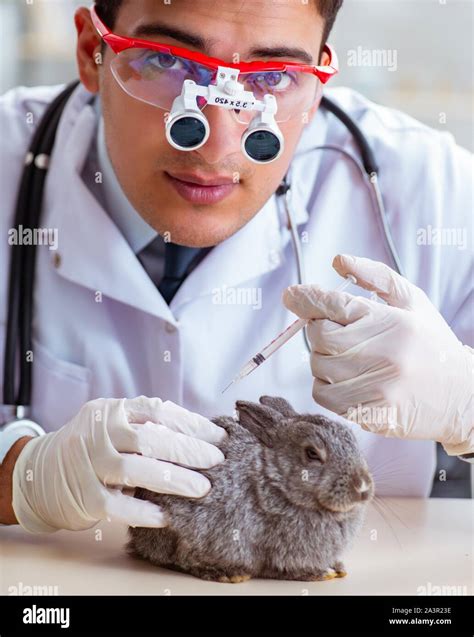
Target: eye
(163, 60)
(157, 63)
(271, 80)
(279, 81)
(153, 63)
(312, 454)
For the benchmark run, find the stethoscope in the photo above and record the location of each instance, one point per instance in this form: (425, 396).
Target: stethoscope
(16, 404)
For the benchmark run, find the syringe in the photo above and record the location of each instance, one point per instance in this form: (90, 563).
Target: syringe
(280, 340)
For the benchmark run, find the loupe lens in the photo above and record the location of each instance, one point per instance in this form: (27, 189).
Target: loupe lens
(262, 146)
(188, 132)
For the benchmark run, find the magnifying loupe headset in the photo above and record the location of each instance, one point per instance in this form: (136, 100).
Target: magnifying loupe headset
(183, 82)
(187, 127)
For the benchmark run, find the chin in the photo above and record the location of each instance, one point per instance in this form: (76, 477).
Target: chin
(196, 229)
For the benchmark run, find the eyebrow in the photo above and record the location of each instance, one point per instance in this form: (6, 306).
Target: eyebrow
(273, 52)
(283, 52)
(157, 29)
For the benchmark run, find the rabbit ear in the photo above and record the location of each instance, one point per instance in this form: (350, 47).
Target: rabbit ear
(258, 419)
(280, 405)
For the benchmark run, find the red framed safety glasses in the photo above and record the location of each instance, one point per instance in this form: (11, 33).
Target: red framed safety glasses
(154, 73)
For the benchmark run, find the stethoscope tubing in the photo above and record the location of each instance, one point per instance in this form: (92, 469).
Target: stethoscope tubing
(22, 262)
(369, 171)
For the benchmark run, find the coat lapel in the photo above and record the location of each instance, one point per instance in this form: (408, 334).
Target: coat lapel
(93, 252)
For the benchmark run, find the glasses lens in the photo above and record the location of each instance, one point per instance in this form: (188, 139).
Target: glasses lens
(295, 92)
(262, 146)
(157, 77)
(188, 132)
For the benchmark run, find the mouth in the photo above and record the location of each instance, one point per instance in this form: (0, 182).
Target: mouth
(337, 509)
(198, 189)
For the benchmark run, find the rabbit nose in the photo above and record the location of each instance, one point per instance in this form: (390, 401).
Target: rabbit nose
(362, 485)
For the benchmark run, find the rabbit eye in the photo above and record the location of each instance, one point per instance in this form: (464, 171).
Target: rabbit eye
(313, 454)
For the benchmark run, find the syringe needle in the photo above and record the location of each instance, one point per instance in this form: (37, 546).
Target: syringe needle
(229, 385)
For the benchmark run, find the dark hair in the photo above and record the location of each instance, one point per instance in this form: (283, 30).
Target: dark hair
(328, 9)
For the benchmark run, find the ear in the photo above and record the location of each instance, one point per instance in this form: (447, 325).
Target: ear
(324, 61)
(87, 50)
(258, 419)
(280, 405)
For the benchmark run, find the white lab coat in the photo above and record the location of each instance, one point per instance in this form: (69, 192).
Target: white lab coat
(101, 328)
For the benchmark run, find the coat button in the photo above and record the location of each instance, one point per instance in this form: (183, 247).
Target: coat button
(274, 257)
(57, 260)
(170, 328)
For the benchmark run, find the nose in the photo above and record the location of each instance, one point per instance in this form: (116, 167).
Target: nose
(225, 135)
(362, 485)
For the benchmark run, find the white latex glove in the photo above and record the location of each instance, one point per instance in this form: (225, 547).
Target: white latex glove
(72, 478)
(396, 369)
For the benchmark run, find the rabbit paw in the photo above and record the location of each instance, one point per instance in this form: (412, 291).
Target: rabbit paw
(312, 576)
(329, 574)
(216, 575)
(340, 569)
(233, 579)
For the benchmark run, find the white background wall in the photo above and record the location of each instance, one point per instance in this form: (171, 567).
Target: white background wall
(432, 39)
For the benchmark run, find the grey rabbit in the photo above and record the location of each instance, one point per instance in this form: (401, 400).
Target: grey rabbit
(285, 503)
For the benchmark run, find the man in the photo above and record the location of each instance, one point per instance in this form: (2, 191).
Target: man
(156, 246)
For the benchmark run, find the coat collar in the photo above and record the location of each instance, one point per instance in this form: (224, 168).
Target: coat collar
(94, 253)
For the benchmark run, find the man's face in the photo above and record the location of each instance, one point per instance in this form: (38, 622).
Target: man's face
(147, 166)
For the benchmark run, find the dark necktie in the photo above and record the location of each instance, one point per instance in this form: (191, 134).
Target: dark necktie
(179, 261)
